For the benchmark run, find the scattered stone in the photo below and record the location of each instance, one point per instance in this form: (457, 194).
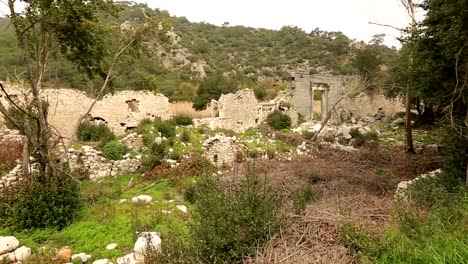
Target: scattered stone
(182, 208)
(398, 121)
(128, 259)
(111, 246)
(102, 261)
(22, 253)
(402, 186)
(142, 199)
(8, 244)
(83, 257)
(146, 241)
(122, 200)
(64, 254)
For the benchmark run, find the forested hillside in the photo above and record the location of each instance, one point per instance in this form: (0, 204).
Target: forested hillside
(197, 50)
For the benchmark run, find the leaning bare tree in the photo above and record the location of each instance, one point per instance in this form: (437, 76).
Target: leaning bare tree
(350, 89)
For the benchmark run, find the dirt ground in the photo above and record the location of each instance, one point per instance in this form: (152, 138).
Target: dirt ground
(356, 186)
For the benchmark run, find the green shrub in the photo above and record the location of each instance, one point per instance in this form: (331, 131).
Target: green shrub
(307, 134)
(165, 128)
(155, 155)
(39, 202)
(302, 197)
(185, 136)
(88, 131)
(278, 120)
(182, 120)
(230, 225)
(360, 139)
(300, 119)
(114, 150)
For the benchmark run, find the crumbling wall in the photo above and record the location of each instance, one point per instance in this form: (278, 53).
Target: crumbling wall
(238, 112)
(302, 88)
(126, 109)
(122, 110)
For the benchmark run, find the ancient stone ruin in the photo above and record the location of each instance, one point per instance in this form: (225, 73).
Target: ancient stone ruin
(119, 111)
(314, 95)
(241, 111)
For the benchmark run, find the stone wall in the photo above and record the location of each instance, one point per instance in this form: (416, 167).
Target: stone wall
(238, 112)
(121, 110)
(303, 87)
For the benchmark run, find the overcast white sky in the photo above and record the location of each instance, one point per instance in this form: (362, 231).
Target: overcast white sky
(349, 16)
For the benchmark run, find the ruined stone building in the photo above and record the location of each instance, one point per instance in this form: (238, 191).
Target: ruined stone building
(119, 111)
(314, 95)
(241, 111)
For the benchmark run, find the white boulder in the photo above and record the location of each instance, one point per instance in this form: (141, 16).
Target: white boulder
(142, 199)
(182, 208)
(83, 257)
(102, 261)
(8, 244)
(22, 253)
(111, 246)
(146, 242)
(128, 259)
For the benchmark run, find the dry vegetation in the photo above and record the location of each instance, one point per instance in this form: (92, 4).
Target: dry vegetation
(352, 187)
(186, 109)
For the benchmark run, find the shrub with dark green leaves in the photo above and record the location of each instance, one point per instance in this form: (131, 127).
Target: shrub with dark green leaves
(166, 129)
(89, 131)
(230, 225)
(114, 150)
(307, 134)
(182, 120)
(278, 120)
(39, 202)
(155, 155)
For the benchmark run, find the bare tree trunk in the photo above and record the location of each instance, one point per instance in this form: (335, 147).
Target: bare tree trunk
(409, 132)
(25, 158)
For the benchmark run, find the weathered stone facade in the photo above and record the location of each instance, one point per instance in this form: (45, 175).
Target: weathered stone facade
(121, 110)
(316, 94)
(241, 111)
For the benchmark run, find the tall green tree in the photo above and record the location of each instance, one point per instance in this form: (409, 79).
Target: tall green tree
(441, 66)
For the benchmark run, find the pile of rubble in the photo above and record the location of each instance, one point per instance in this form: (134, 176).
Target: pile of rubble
(403, 186)
(90, 160)
(221, 150)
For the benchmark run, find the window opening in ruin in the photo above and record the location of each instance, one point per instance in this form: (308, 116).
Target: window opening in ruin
(133, 105)
(256, 120)
(215, 158)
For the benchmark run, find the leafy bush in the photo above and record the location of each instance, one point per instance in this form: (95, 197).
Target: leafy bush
(307, 134)
(88, 131)
(165, 128)
(182, 120)
(185, 136)
(229, 225)
(278, 120)
(155, 155)
(360, 139)
(114, 150)
(435, 234)
(302, 197)
(39, 202)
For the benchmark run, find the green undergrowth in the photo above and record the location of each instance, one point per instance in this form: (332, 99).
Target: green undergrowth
(104, 220)
(420, 231)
